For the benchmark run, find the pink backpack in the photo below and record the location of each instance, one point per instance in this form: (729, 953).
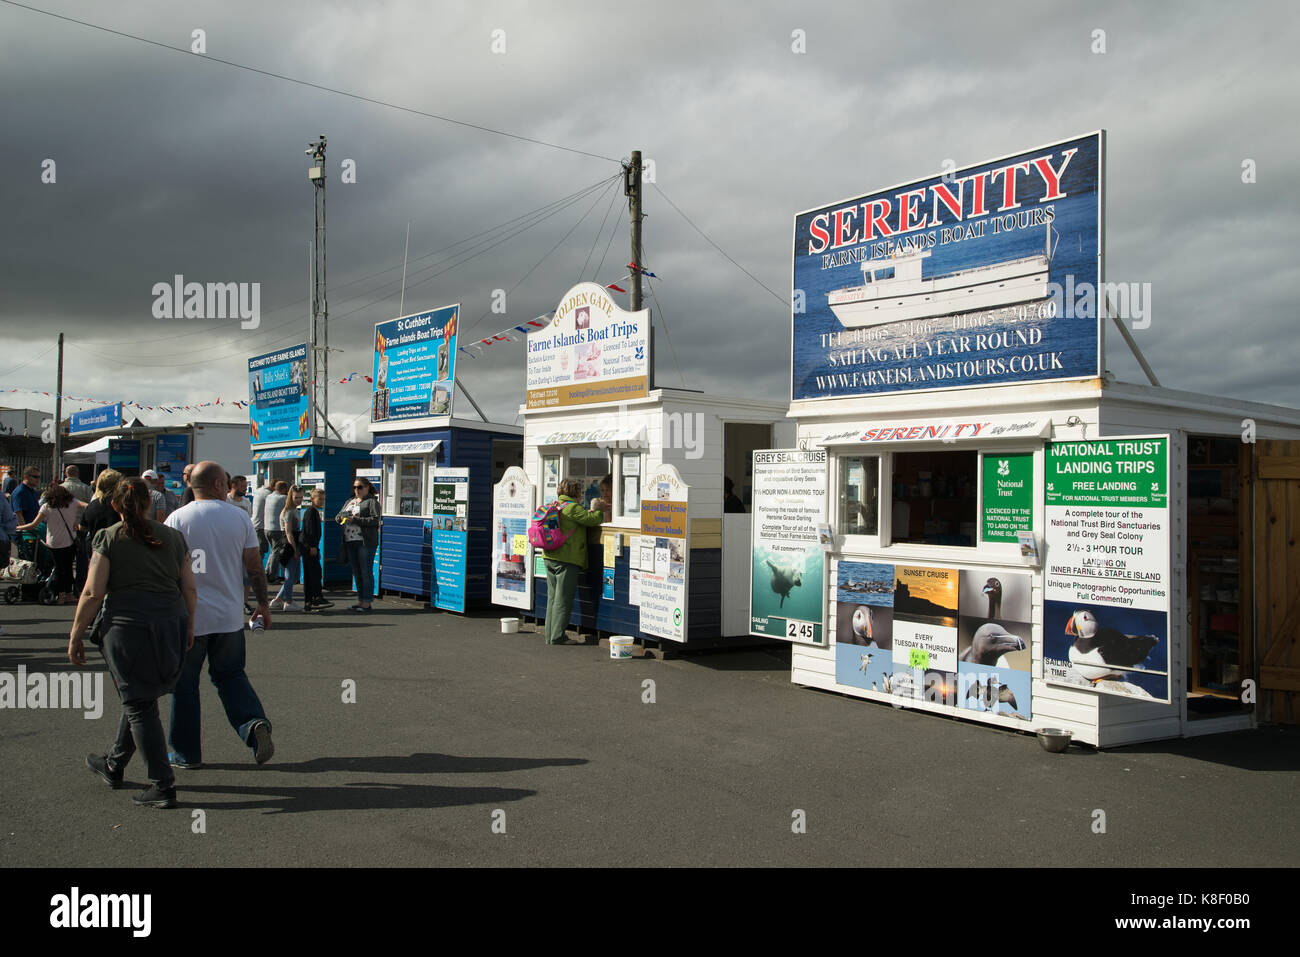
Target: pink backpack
(544, 530)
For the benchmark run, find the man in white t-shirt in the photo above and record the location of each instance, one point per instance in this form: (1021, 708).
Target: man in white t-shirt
(223, 546)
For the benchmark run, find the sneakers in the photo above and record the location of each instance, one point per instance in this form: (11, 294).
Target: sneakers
(287, 606)
(185, 765)
(154, 796)
(263, 748)
(99, 764)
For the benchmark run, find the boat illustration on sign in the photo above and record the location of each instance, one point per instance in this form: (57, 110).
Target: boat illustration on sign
(895, 289)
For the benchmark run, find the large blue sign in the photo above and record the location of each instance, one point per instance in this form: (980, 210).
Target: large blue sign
(172, 453)
(414, 366)
(279, 402)
(124, 455)
(92, 420)
(988, 275)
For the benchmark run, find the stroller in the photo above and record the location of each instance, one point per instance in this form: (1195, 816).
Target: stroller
(28, 576)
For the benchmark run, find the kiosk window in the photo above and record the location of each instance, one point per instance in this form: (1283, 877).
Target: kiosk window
(629, 484)
(410, 472)
(860, 495)
(588, 466)
(935, 498)
(550, 478)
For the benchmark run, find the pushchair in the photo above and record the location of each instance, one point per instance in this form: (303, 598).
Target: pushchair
(30, 569)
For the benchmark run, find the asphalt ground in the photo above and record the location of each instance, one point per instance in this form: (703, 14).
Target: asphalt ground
(456, 727)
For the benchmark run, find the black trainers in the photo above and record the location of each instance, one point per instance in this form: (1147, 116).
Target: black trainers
(154, 796)
(263, 748)
(99, 764)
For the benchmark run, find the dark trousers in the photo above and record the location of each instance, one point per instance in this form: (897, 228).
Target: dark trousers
(83, 560)
(141, 729)
(311, 585)
(63, 580)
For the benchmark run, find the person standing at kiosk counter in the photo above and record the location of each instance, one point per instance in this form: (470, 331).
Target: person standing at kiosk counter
(564, 565)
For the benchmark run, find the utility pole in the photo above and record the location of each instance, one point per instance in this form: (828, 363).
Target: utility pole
(319, 345)
(632, 189)
(58, 416)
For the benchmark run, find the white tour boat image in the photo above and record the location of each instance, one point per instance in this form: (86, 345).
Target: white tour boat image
(894, 289)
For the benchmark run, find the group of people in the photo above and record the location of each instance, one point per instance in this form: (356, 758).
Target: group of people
(290, 542)
(166, 586)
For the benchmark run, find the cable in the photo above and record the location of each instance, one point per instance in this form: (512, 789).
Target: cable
(544, 257)
(596, 242)
(39, 355)
(612, 233)
(709, 241)
(559, 204)
(309, 84)
(663, 321)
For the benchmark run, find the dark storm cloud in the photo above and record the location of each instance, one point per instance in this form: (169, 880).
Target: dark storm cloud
(168, 164)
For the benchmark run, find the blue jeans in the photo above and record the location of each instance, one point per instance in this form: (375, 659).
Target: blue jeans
(290, 579)
(362, 560)
(225, 655)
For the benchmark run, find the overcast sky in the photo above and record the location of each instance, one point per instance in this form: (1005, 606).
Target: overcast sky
(172, 163)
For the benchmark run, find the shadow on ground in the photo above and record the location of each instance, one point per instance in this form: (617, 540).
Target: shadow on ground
(1270, 748)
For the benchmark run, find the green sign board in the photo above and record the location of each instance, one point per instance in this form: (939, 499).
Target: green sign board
(1108, 473)
(1008, 496)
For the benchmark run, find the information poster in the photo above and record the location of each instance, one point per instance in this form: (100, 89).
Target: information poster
(414, 366)
(1106, 572)
(512, 509)
(172, 454)
(956, 638)
(279, 400)
(787, 578)
(1008, 500)
(449, 494)
(664, 554)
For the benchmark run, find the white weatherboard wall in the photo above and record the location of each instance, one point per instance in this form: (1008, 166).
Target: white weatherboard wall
(1076, 711)
(1078, 410)
(685, 430)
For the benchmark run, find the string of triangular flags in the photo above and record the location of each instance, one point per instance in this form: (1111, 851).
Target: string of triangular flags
(512, 334)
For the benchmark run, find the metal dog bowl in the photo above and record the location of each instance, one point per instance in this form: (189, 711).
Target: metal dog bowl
(1055, 740)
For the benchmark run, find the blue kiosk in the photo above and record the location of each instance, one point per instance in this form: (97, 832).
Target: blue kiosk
(437, 470)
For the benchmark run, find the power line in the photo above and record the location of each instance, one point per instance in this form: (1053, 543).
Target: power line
(548, 209)
(544, 256)
(712, 243)
(39, 355)
(309, 84)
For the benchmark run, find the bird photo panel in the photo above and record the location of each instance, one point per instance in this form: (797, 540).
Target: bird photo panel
(1107, 648)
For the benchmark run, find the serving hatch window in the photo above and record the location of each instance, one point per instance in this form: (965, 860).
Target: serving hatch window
(410, 476)
(934, 501)
(589, 465)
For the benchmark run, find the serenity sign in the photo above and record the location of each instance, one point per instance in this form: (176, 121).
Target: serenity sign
(988, 275)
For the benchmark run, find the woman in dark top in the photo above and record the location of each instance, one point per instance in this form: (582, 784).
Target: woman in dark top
(309, 538)
(360, 519)
(140, 572)
(99, 514)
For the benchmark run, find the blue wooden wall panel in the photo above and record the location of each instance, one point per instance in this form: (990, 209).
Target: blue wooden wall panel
(593, 613)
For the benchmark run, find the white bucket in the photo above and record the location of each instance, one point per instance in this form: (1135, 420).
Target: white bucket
(620, 646)
(509, 626)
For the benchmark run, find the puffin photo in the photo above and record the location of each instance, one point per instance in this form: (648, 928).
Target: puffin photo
(1099, 652)
(862, 626)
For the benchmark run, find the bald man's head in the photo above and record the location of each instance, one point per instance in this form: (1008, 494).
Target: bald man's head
(208, 480)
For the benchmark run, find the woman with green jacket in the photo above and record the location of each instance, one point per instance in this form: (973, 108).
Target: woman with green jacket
(564, 565)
